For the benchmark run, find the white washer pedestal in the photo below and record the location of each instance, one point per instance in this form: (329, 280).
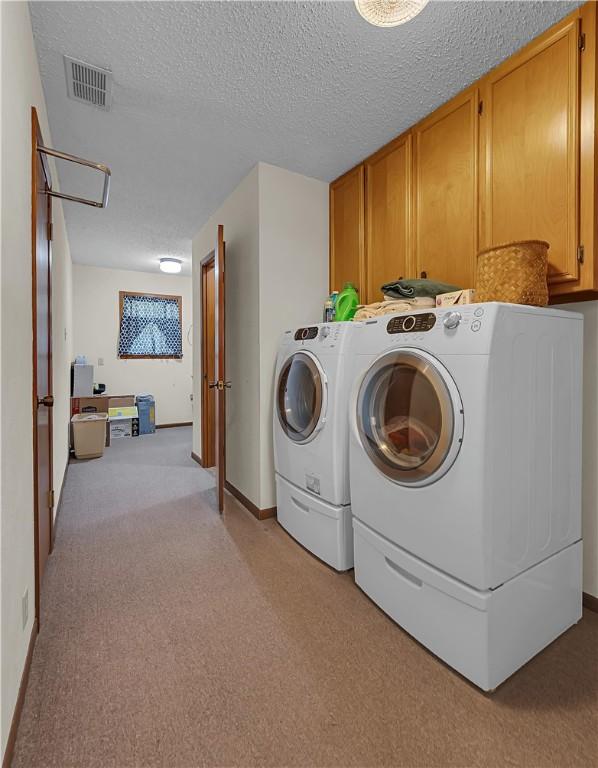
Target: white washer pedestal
(485, 635)
(325, 529)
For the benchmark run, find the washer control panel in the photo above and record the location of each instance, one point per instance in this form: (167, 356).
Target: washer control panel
(412, 323)
(303, 334)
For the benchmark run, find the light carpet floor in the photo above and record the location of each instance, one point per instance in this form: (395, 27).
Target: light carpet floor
(174, 637)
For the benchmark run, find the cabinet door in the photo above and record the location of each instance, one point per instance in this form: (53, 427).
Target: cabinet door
(388, 215)
(347, 231)
(531, 133)
(446, 201)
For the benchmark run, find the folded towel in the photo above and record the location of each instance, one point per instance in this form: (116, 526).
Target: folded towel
(407, 289)
(392, 307)
(419, 302)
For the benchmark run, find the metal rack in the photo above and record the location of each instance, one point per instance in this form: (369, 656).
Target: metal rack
(80, 161)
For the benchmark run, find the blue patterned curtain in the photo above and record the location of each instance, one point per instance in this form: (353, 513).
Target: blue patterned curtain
(150, 325)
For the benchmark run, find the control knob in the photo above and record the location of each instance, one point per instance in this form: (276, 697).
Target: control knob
(452, 320)
(324, 332)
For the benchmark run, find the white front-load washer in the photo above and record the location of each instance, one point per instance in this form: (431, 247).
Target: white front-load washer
(465, 461)
(311, 451)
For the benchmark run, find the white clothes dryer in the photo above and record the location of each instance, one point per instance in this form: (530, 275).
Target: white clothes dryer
(465, 460)
(311, 450)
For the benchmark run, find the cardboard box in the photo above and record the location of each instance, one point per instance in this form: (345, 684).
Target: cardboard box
(126, 421)
(121, 427)
(94, 404)
(121, 401)
(100, 403)
(130, 411)
(455, 298)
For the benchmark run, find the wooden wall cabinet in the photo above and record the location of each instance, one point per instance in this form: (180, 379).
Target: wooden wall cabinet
(347, 225)
(446, 192)
(513, 157)
(389, 192)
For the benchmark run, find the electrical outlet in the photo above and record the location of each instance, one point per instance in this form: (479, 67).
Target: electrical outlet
(100, 361)
(25, 608)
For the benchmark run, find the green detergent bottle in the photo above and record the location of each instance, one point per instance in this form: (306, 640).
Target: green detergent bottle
(346, 303)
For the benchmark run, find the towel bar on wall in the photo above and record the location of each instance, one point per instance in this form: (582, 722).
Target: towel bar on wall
(80, 161)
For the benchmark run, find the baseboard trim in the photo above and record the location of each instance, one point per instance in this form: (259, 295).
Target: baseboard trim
(59, 507)
(590, 602)
(260, 514)
(16, 715)
(196, 457)
(177, 424)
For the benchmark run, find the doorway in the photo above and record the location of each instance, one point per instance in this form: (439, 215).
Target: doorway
(43, 400)
(214, 383)
(208, 361)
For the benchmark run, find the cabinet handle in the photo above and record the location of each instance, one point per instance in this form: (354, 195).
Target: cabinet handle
(424, 275)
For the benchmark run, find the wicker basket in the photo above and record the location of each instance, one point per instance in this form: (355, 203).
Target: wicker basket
(515, 273)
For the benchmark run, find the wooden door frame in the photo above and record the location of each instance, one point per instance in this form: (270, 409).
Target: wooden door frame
(37, 140)
(220, 335)
(205, 264)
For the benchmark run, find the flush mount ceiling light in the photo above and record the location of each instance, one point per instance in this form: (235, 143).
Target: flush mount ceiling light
(389, 13)
(172, 266)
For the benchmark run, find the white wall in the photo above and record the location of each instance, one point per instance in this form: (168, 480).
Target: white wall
(21, 89)
(276, 276)
(293, 282)
(96, 326)
(589, 309)
(239, 215)
(62, 345)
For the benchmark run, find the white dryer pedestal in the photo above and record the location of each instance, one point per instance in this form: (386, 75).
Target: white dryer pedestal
(325, 529)
(484, 635)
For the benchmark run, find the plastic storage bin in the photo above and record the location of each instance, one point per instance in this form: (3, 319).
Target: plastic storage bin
(89, 434)
(146, 407)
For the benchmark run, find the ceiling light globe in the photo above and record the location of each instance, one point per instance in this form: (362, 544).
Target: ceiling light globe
(171, 266)
(389, 13)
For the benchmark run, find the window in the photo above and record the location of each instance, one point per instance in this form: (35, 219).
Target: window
(150, 326)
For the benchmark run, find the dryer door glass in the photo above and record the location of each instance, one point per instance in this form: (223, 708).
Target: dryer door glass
(300, 391)
(405, 417)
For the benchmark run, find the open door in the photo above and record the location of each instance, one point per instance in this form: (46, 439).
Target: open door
(208, 361)
(221, 385)
(41, 204)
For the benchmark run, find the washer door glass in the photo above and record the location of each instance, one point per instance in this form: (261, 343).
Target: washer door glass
(300, 395)
(405, 417)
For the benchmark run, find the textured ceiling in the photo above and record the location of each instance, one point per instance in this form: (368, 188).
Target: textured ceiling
(204, 90)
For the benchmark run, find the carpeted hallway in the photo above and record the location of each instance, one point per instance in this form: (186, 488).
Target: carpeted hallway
(174, 637)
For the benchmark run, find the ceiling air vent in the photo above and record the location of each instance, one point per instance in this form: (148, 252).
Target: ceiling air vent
(88, 84)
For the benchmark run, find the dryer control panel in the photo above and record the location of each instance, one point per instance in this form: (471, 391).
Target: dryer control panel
(419, 323)
(305, 334)
(324, 336)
